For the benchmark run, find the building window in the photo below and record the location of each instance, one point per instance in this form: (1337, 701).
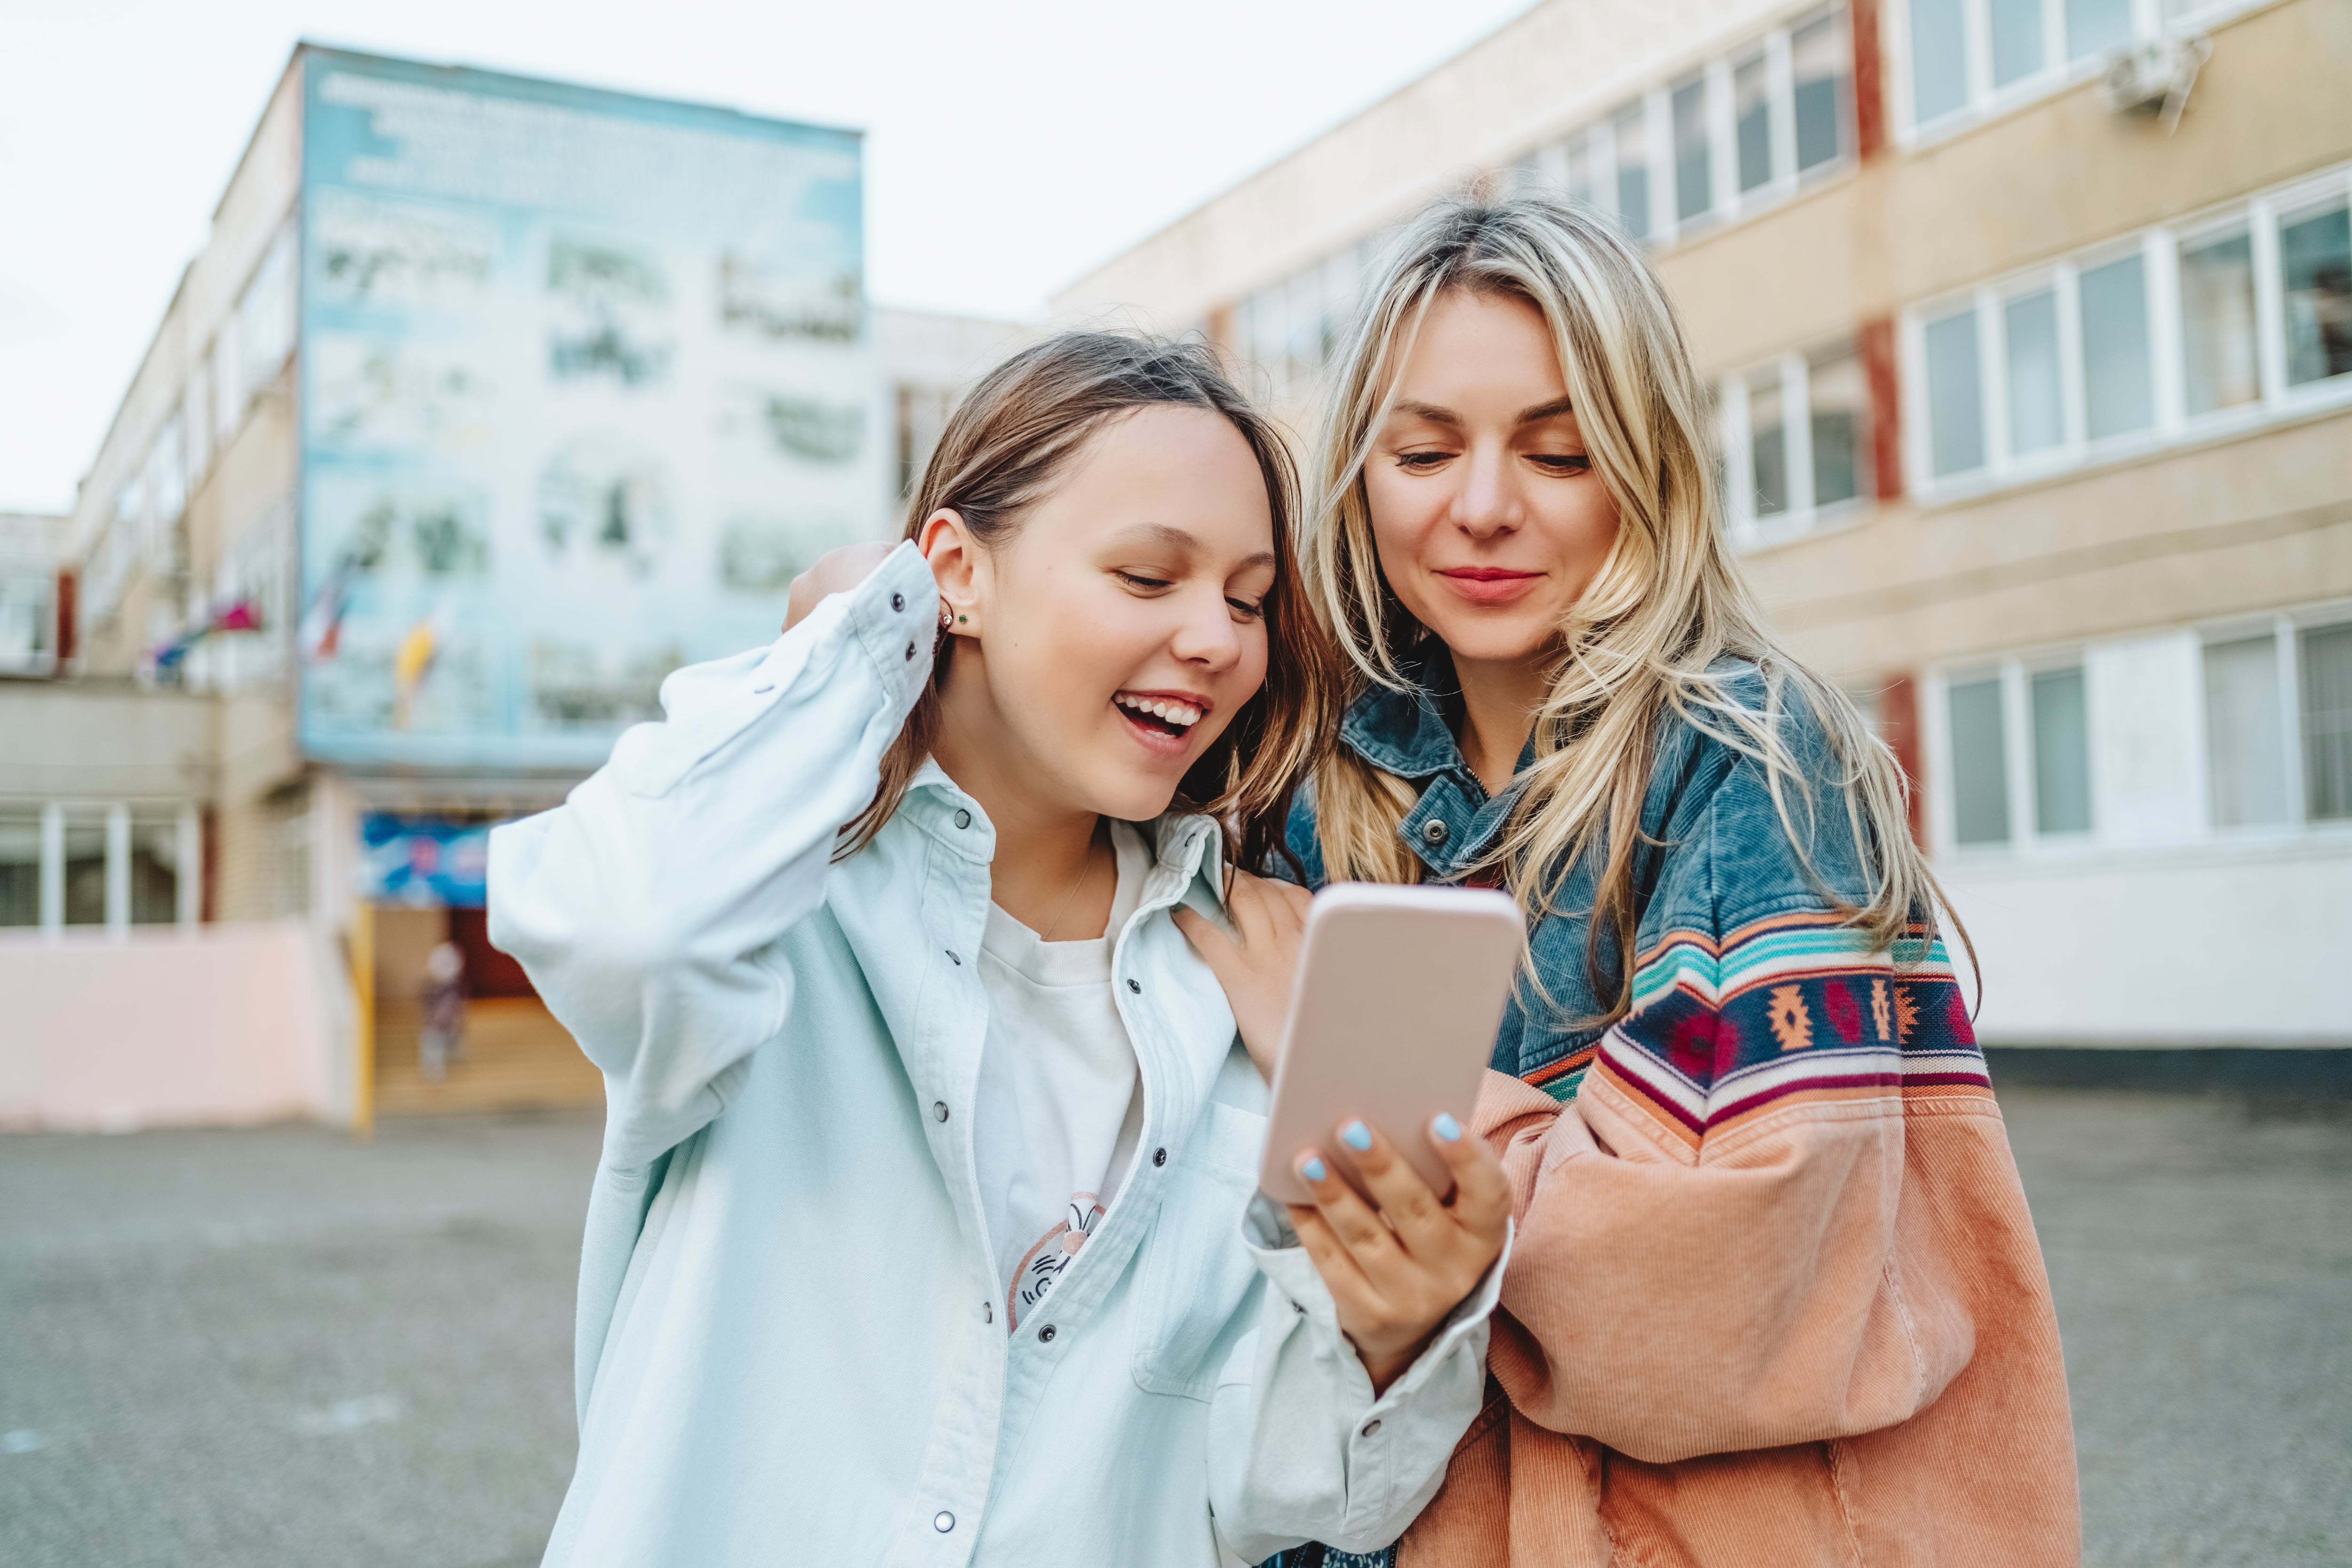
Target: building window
(2017, 39)
(1795, 439)
(2245, 750)
(1840, 393)
(1939, 58)
(265, 318)
(1631, 134)
(1979, 763)
(2037, 399)
(1694, 182)
(1738, 133)
(2116, 395)
(154, 869)
(20, 870)
(1292, 329)
(2325, 659)
(2095, 26)
(2316, 264)
(2219, 368)
(1971, 55)
(1955, 395)
(1751, 120)
(2067, 364)
(85, 868)
(1768, 444)
(2062, 753)
(1822, 64)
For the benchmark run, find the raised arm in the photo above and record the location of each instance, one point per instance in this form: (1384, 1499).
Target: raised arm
(646, 906)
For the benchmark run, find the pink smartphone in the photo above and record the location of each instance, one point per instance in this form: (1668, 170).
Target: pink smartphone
(1393, 1019)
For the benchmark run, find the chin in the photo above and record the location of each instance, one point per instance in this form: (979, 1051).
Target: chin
(1495, 641)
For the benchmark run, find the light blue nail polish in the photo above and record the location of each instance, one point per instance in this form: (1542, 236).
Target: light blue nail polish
(1357, 1135)
(1313, 1170)
(1445, 1127)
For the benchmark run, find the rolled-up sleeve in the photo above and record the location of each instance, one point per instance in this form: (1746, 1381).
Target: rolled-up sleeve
(1300, 1448)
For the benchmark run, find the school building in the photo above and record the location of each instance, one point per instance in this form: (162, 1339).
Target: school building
(2031, 327)
(486, 402)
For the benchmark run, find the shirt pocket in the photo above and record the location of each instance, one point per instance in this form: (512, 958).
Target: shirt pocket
(1196, 1273)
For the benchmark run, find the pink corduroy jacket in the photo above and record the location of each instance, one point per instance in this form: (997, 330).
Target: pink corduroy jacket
(1820, 1333)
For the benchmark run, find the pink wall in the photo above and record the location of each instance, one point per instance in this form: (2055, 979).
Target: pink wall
(223, 1023)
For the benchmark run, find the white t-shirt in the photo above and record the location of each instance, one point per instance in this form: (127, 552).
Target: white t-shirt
(1058, 1114)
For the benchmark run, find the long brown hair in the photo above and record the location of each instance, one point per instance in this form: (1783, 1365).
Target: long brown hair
(1644, 640)
(1002, 451)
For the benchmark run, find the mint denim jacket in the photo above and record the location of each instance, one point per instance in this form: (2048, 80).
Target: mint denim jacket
(792, 1346)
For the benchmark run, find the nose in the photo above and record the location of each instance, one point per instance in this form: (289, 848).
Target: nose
(1488, 502)
(1206, 635)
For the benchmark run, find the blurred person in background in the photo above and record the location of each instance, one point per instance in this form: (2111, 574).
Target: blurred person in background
(1775, 1297)
(922, 1229)
(442, 1040)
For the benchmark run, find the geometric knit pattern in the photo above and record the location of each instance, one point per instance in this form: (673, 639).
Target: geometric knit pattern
(1790, 1009)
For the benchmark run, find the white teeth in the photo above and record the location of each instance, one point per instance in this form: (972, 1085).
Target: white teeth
(1179, 714)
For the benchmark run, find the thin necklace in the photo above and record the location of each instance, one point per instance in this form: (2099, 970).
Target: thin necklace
(1085, 867)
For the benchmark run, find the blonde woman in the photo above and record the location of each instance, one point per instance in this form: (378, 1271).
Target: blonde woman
(1775, 1296)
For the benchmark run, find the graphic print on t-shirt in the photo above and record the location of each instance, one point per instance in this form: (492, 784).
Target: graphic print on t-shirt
(1041, 1266)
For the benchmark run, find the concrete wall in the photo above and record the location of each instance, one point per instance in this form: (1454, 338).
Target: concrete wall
(2233, 947)
(223, 1025)
(76, 741)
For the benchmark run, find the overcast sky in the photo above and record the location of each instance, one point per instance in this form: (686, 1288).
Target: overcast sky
(1012, 143)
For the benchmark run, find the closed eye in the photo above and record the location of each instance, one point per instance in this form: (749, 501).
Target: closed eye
(1247, 610)
(1139, 581)
(1562, 463)
(1421, 462)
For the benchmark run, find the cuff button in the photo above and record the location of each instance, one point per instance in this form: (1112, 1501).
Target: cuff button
(1372, 1426)
(897, 601)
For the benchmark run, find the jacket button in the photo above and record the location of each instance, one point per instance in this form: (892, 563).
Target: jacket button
(1160, 1156)
(1135, 987)
(939, 1110)
(963, 818)
(1433, 831)
(951, 957)
(910, 652)
(988, 1311)
(1372, 1426)
(897, 601)
(1045, 1335)
(943, 1521)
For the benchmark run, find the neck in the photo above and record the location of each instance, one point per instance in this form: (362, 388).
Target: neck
(1499, 699)
(1046, 873)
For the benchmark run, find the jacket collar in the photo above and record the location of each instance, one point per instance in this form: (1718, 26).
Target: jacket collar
(1410, 733)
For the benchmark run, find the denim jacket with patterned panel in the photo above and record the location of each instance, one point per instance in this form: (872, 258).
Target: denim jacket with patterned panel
(1775, 1295)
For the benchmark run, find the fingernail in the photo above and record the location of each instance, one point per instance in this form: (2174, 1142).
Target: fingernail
(1445, 1127)
(1313, 1170)
(1357, 1135)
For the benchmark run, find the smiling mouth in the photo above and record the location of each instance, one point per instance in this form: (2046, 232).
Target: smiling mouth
(1159, 712)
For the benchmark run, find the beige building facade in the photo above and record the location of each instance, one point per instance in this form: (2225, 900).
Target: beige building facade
(2030, 324)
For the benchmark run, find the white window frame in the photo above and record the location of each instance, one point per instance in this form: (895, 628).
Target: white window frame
(188, 907)
(2159, 248)
(1728, 204)
(1984, 100)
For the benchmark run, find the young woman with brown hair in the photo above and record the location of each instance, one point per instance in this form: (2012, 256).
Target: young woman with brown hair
(922, 1232)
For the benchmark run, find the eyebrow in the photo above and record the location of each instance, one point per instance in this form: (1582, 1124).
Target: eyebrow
(1179, 539)
(1528, 415)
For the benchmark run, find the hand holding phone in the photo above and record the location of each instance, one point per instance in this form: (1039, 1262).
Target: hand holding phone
(1387, 1026)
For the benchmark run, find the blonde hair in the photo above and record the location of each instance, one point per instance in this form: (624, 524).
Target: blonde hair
(1003, 449)
(1667, 605)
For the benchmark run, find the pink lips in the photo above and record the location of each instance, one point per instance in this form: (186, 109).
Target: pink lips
(1489, 585)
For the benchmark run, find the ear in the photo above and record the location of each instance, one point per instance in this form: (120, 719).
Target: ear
(958, 565)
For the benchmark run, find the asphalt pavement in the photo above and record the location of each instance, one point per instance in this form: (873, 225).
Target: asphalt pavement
(282, 1347)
